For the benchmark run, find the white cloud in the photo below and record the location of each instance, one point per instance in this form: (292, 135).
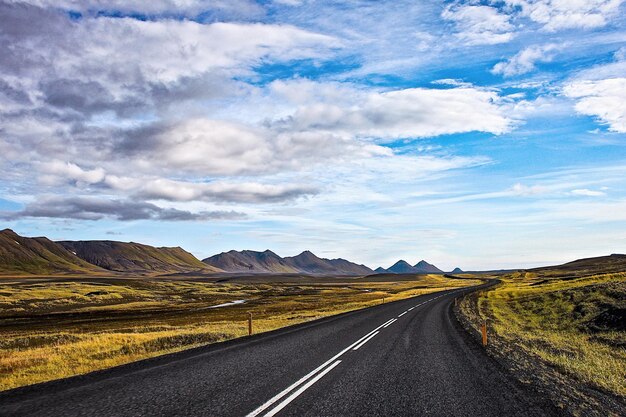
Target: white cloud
(615, 69)
(179, 7)
(453, 82)
(526, 190)
(175, 49)
(413, 112)
(479, 25)
(90, 208)
(567, 14)
(603, 99)
(588, 193)
(203, 146)
(68, 171)
(525, 60)
(289, 2)
(99, 64)
(241, 192)
(425, 41)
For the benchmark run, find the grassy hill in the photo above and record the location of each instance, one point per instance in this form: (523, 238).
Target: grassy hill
(136, 257)
(586, 266)
(564, 328)
(38, 255)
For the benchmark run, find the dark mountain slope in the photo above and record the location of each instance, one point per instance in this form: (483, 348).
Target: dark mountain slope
(38, 255)
(249, 261)
(424, 267)
(136, 257)
(269, 262)
(309, 263)
(401, 267)
(349, 268)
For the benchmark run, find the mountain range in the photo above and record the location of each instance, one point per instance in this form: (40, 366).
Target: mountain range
(403, 267)
(268, 261)
(40, 255)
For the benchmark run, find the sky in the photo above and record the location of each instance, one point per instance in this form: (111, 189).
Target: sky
(478, 134)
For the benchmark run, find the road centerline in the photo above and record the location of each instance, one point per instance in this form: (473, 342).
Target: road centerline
(390, 323)
(311, 374)
(365, 341)
(306, 386)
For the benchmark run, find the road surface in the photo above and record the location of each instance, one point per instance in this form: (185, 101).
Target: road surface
(406, 358)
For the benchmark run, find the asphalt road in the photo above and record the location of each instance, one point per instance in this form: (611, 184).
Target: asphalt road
(406, 358)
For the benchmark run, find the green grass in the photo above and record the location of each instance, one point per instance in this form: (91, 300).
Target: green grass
(571, 323)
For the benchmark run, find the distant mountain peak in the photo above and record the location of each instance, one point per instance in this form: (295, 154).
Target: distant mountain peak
(9, 232)
(401, 267)
(422, 267)
(425, 267)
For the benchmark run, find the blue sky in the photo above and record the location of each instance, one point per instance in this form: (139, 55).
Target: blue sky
(479, 134)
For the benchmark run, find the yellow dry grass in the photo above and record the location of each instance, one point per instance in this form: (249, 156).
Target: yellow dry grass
(117, 322)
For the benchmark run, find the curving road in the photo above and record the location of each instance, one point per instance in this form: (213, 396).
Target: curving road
(406, 358)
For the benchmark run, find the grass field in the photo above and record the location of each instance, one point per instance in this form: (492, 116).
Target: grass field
(63, 327)
(573, 322)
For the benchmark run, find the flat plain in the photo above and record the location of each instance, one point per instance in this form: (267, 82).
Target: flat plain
(55, 327)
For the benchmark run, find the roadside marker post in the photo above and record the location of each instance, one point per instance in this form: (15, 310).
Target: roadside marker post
(249, 324)
(483, 329)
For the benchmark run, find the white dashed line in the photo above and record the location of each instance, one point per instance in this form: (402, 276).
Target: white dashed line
(403, 314)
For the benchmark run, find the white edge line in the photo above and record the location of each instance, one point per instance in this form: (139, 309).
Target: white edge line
(365, 341)
(306, 386)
